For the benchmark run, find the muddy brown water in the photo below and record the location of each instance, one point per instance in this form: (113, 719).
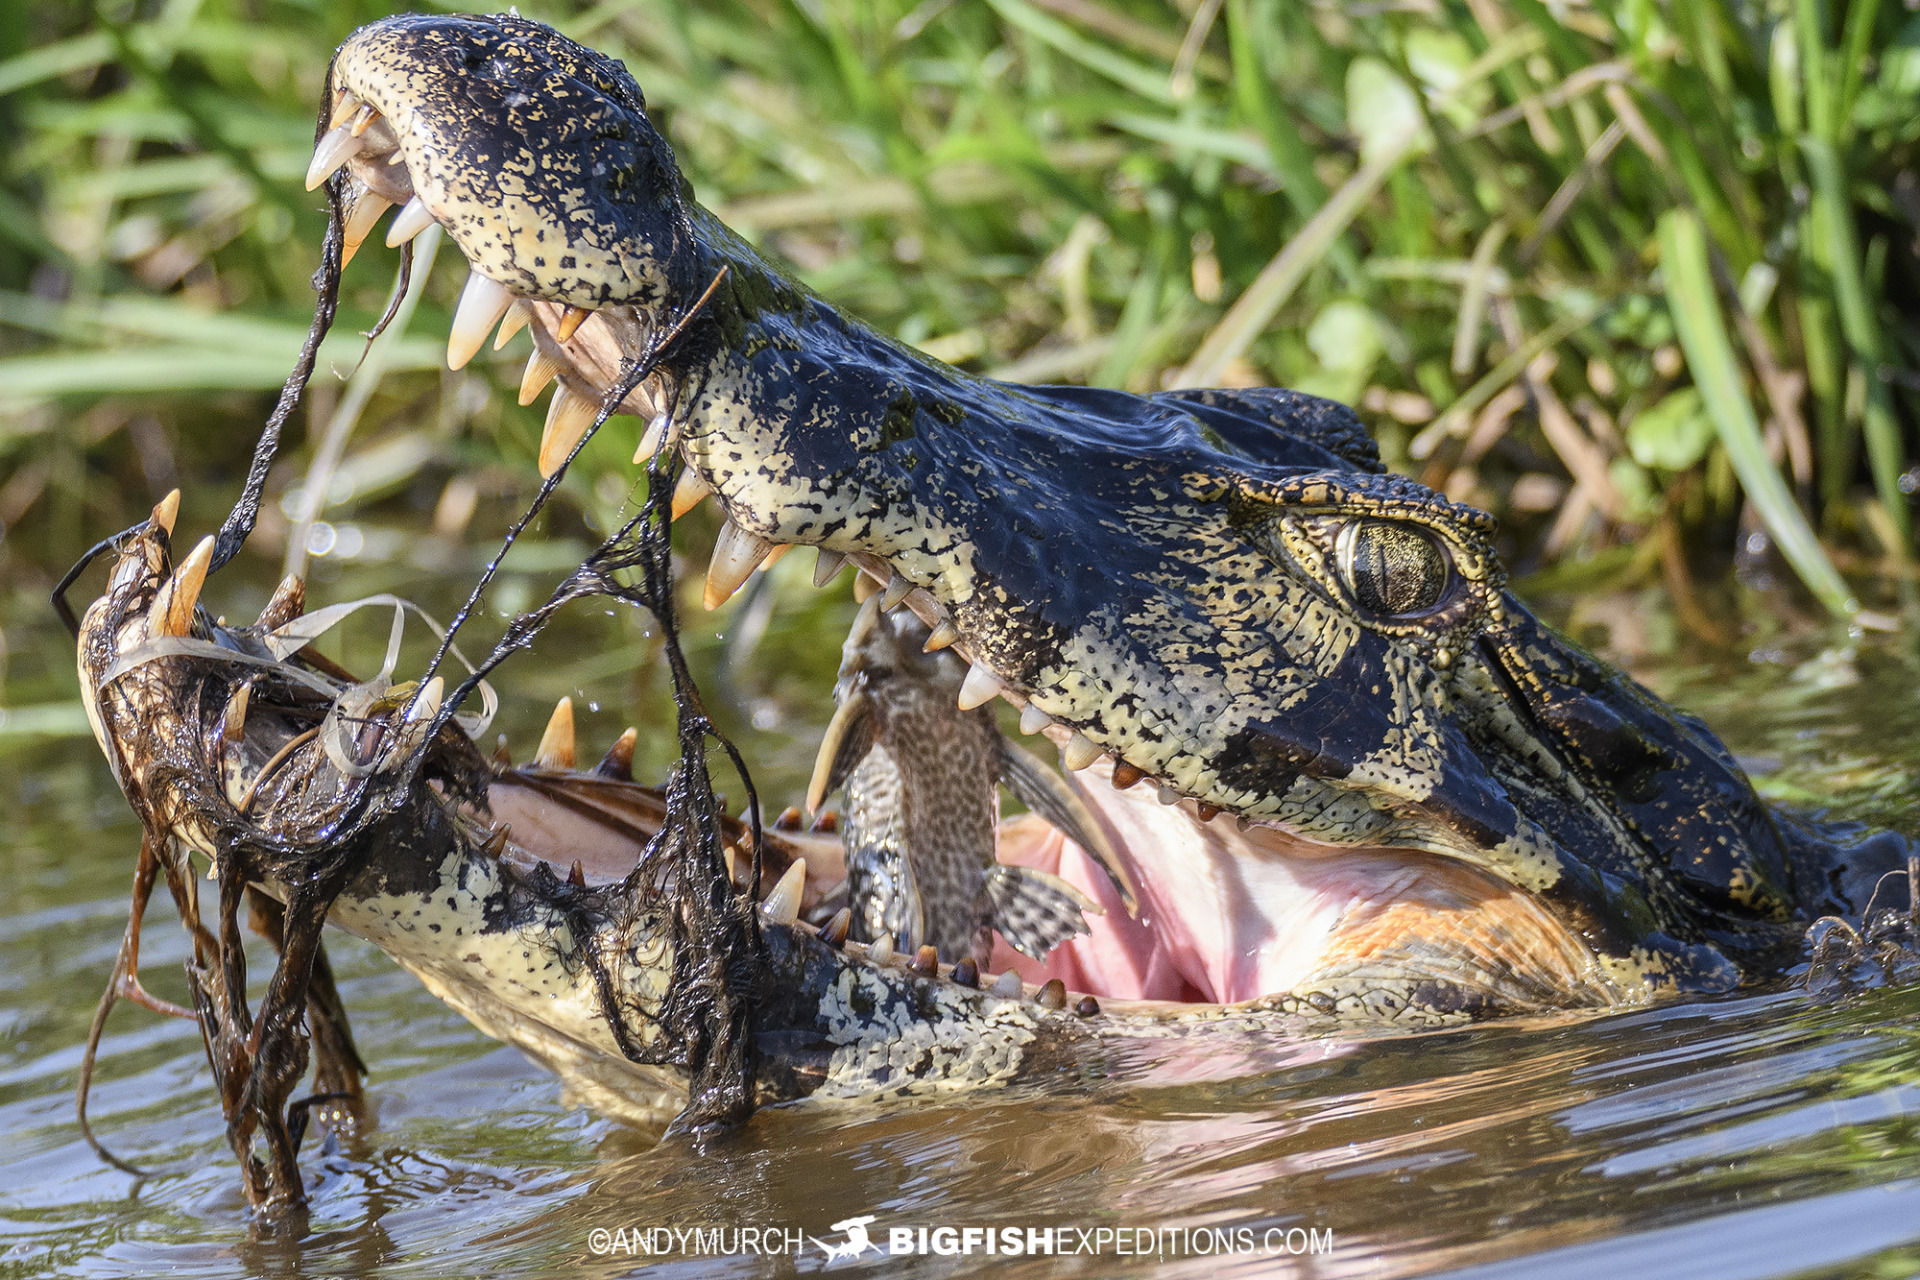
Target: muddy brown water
(1765, 1134)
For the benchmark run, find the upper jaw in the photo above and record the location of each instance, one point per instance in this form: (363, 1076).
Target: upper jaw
(448, 97)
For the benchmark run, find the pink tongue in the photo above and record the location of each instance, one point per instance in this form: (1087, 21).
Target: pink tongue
(1121, 959)
(1224, 916)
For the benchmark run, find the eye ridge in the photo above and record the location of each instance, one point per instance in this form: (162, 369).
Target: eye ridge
(1394, 570)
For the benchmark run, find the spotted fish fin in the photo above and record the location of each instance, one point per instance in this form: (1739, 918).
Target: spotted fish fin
(1043, 791)
(1034, 911)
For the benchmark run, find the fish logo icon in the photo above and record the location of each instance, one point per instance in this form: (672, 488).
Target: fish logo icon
(857, 1241)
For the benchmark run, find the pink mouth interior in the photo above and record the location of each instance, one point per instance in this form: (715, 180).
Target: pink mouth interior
(1227, 916)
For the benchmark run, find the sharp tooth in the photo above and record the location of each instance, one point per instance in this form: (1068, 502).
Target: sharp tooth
(827, 566)
(233, 726)
(1033, 719)
(978, 688)
(165, 512)
(516, 320)
(570, 319)
(783, 904)
(1008, 986)
(343, 110)
(835, 934)
(363, 120)
(482, 303)
(496, 842)
(1206, 812)
(689, 492)
(568, 418)
(541, 369)
(650, 443)
(412, 219)
(1125, 775)
(880, 950)
(366, 211)
(556, 744)
(1079, 752)
(926, 961)
(1052, 995)
(966, 973)
(1166, 794)
(864, 585)
(736, 554)
(289, 601)
(502, 754)
(171, 613)
(898, 588)
(618, 762)
(943, 635)
(790, 819)
(398, 157)
(733, 871)
(338, 146)
(426, 704)
(577, 875)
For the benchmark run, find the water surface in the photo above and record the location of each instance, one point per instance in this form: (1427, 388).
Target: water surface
(1765, 1134)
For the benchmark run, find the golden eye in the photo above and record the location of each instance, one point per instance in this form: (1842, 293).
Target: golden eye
(1393, 570)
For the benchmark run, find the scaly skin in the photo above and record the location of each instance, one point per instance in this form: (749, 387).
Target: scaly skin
(1218, 590)
(465, 883)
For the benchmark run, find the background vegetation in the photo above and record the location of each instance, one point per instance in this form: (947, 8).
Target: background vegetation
(1639, 277)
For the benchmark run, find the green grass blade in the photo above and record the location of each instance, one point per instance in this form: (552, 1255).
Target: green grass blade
(1703, 337)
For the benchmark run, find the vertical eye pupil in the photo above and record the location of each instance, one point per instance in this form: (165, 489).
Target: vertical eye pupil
(1395, 569)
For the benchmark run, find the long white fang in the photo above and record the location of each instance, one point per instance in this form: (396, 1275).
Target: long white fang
(516, 320)
(1008, 986)
(979, 688)
(1079, 752)
(783, 904)
(482, 303)
(556, 744)
(426, 703)
(541, 369)
(333, 150)
(1033, 719)
(688, 493)
(827, 566)
(736, 554)
(943, 635)
(366, 211)
(656, 435)
(412, 219)
(171, 613)
(568, 418)
(898, 587)
(880, 950)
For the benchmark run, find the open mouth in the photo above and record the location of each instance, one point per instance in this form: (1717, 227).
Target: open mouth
(564, 243)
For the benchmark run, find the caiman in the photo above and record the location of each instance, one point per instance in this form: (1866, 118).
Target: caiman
(1356, 783)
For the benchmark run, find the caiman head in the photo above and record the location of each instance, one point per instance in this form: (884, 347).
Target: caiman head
(1375, 785)
(535, 899)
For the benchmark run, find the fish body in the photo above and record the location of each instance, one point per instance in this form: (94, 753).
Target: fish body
(922, 780)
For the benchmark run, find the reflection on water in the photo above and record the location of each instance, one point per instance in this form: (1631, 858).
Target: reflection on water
(1760, 1135)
